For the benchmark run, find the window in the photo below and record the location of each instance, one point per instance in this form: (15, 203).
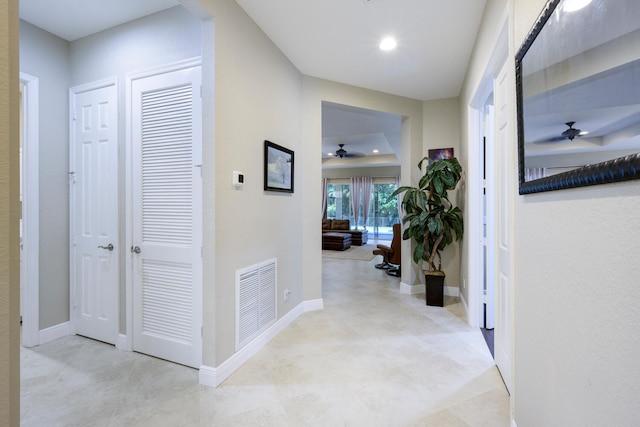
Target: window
(383, 210)
(338, 201)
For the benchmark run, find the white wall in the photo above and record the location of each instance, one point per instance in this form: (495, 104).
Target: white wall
(575, 282)
(315, 92)
(167, 36)
(577, 298)
(441, 123)
(158, 39)
(375, 172)
(257, 97)
(46, 57)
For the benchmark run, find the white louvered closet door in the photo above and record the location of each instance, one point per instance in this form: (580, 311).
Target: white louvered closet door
(167, 218)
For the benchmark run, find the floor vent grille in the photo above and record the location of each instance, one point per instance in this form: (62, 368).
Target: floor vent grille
(256, 291)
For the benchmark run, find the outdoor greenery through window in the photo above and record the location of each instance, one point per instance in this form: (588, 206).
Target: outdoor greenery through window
(383, 211)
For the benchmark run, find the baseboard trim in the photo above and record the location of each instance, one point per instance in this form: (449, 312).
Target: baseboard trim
(450, 291)
(122, 343)
(53, 333)
(408, 289)
(313, 305)
(214, 376)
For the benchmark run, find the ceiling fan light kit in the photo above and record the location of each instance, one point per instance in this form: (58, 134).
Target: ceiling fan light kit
(341, 151)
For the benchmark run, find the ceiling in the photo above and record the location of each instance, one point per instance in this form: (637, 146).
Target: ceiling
(330, 39)
(74, 19)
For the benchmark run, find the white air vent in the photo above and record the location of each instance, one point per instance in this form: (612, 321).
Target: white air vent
(256, 291)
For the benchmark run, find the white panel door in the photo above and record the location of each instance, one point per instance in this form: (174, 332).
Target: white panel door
(167, 218)
(504, 182)
(94, 212)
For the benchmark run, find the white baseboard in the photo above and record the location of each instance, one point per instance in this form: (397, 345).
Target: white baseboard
(465, 306)
(408, 289)
(450, 291)
(213, 377)
(123, 344)
(53, 333)
(313, 305)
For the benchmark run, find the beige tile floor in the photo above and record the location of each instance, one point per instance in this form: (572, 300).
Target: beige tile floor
(372, 357)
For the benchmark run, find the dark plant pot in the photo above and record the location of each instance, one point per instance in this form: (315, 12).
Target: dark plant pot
(435, 289)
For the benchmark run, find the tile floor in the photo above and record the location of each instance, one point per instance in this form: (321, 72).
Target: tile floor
(372, 357)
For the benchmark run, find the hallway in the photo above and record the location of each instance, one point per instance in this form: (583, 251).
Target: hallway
(372, 357)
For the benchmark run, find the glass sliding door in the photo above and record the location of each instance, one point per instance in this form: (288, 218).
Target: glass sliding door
(383, 210)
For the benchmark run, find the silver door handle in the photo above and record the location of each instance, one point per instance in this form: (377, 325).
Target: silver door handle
(109, 247)
(136, 249)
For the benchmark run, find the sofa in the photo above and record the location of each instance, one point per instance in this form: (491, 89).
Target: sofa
(358, 237)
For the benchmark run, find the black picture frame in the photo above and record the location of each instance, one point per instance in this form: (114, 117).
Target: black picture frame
(278, 168)
(608, 171)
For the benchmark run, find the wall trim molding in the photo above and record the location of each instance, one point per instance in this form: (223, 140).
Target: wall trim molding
(54, 332)
(214, 376)
(450, 291)
(123, 343)
(408, 289)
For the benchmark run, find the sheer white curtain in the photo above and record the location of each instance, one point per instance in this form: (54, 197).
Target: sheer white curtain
(355, 198)
(361, 185)
(325, 184)
(534, 173)
(367, 186)
(399, 198)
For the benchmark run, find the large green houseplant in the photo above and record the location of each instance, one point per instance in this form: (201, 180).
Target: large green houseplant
(432, 221)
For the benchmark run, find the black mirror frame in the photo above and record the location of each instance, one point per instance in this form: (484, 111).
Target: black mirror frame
(616, 170)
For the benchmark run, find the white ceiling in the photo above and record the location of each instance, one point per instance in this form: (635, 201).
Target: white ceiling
(74, 19)
(330, 39)
(338, 40)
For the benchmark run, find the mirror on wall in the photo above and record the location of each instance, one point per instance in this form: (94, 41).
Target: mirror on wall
(578, 96)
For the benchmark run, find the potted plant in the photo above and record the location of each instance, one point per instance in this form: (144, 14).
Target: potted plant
(432, 221)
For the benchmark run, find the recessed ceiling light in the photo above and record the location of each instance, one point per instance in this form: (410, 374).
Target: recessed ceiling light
(329, 154)
(388, 43)
(574, 5)
(376, 151)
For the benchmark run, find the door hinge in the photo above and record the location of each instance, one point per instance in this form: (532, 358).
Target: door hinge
(72, 177)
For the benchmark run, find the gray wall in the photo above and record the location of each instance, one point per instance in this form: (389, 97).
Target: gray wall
(46, 57)
(164, 37)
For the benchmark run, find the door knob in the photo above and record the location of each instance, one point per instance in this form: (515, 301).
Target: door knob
(108, 247)
(136, 249)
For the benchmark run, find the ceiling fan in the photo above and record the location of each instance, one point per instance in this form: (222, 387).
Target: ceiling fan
(569, 134)
(341, 152)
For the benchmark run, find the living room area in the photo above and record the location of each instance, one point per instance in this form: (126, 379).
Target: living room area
(360, 172)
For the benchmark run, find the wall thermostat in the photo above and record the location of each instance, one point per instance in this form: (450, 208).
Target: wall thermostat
(238, 179)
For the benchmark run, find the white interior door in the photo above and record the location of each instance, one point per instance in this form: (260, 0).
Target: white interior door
(489, 216)
(94, 211)
(167, 218)
(504, 182)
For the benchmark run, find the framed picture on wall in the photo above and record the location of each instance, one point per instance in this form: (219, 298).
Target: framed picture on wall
(278, 168)
(440, 154)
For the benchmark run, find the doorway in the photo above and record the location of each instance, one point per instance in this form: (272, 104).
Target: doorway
(94, 244)
(29, 223)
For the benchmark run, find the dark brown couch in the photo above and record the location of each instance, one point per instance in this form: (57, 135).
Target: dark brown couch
(358, 237)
